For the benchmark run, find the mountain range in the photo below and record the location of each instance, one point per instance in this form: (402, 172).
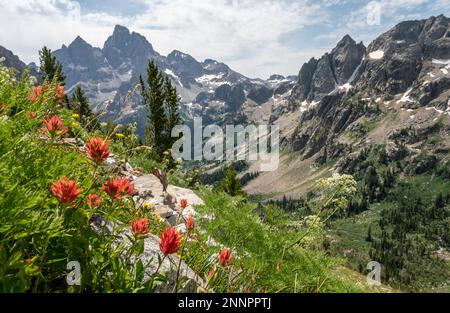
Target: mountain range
(351, 98)
(109, 76)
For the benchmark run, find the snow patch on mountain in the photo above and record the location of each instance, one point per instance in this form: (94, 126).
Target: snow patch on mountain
(405, 97)
(376, 55)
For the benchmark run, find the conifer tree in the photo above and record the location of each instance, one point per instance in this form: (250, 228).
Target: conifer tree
(154, 97)
(172, 105)
(231, 184)
(369, 234)
(50, 68)
(80, 103)
(162, 101)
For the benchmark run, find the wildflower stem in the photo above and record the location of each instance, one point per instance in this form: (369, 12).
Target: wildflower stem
(179, 263)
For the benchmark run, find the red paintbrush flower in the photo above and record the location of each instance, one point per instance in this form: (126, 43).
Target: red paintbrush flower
(116, 188)
(113, 188)
(36, 93)
(54, 126)
(183, 203)
(65, 190)
(128, 187)
(94, 200)
(97, 149)
(59, 93)
(140, 227)
(170, 241)
(225, 257)
(189, 223)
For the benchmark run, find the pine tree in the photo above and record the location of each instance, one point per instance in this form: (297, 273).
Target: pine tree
(50, 68)
(154, 97)
(172, 105)
(231, 184)
(80, 103)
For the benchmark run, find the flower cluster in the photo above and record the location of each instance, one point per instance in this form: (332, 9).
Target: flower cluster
(53, 126)
(94, 201)
(140, 227)
(65, 190)
(58, 92)
(117, 188)
(225, 257)
(97, 149)
(183, 203)
(189, 223)
(170, 241)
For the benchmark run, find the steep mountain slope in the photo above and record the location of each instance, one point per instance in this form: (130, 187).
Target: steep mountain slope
(394, 94)
(12, 60)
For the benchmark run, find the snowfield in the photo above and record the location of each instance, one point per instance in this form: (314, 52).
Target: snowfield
(376, 55)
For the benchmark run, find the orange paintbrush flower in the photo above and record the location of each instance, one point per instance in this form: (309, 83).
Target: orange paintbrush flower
(183, 203)
(65, 190)
(97, 149)
(116, 188)
(54, 126)
(59, 93)
(225, 257)
(36, 93)
(140, 227)
(189, 223)
(94, 200)
(128, 187)
(170, 241)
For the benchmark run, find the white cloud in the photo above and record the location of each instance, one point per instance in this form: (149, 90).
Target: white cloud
(242, 33)
(27, 25)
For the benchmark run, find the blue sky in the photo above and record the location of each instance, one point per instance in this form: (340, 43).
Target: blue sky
(255, 37)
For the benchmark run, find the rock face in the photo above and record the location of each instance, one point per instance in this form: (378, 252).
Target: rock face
(318, 78)
(12, 60)
(396, 58)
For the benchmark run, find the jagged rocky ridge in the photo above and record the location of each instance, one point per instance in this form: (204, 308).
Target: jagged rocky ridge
(110, 75)
(407, 65)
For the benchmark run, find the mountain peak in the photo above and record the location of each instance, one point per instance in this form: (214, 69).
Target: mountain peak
(121, 30)
(123, 45)
(347, 39)
(177, 54)
(79, 43)
(276, 77)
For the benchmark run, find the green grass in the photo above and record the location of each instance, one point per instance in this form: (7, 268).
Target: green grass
(260, 246)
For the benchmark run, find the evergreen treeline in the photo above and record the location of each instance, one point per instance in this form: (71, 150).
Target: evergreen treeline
(411, 234)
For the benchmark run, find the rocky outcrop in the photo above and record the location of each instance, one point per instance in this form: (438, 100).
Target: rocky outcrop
(318, 78)
(395, 59)
(164, 205)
